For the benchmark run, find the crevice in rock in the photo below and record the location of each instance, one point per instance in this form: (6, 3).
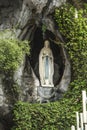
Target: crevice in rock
(44, 11)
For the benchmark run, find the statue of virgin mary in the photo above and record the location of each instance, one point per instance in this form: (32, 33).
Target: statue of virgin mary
(46, 65)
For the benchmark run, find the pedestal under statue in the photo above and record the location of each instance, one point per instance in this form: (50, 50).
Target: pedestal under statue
(46, 65)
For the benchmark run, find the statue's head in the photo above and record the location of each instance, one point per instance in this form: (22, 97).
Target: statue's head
(47, 44)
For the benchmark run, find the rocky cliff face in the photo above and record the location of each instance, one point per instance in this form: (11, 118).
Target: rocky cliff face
(29, 17)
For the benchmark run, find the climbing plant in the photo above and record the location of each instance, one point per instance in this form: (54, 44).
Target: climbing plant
(74, 30)
(72, 24)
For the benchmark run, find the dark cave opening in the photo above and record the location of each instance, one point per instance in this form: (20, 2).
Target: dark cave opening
(37, 44)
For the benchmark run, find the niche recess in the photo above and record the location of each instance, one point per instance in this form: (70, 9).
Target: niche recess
(37, 44)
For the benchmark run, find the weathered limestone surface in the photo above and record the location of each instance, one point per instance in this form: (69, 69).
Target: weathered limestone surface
(3, 106)
(1, 94)
(9, 13)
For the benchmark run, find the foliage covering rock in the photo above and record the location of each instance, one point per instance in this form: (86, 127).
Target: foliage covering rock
(12, 51)
(51, 116)
(74, 30)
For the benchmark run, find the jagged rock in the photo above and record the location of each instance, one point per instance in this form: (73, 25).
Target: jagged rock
(2, 94)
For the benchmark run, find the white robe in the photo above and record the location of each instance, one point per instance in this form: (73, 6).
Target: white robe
(46, 67)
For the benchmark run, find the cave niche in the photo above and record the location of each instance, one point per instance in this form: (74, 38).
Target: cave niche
(31, 85)
(37, 44)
